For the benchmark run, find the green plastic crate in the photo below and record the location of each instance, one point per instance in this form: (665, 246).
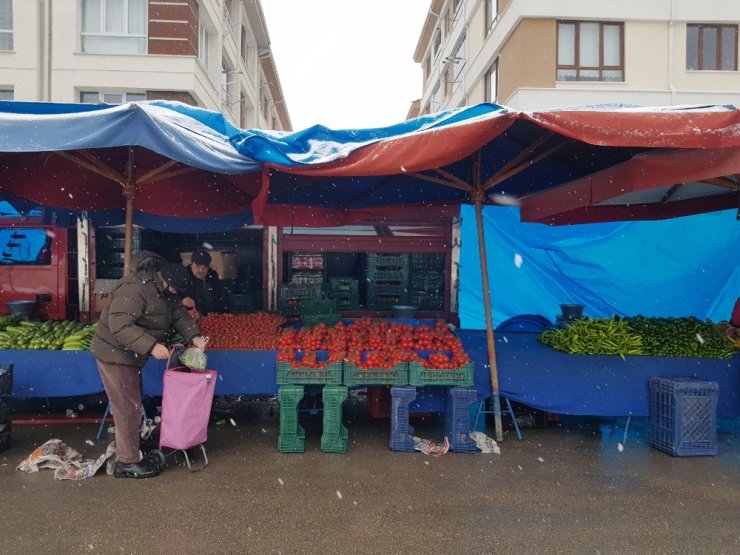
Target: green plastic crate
(421, 376)
(354, 375)
(297, 375)
(316, 319)
(292, 435)
(314, 307)
(334, 434)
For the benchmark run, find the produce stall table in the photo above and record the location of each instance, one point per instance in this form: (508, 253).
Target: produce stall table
(74, 373)
(529, 372)
(594, 385)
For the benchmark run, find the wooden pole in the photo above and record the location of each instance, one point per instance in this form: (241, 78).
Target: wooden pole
(478, 196)
(489, 321)
(129, 193)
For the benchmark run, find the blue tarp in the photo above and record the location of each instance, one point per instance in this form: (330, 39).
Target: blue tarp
(680, 267)
(674, 267)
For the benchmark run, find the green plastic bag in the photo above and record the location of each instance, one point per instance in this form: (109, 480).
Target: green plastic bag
(194, 358)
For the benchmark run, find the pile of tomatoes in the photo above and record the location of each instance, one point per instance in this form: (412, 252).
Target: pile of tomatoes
(373, 344)
(259, 331)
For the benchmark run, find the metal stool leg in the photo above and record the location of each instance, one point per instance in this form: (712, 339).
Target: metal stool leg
(509, 410)
(513, 417)
(102, 422)
(105, 417)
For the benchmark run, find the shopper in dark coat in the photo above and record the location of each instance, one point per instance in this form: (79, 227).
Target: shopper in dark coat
(142, 309)
(205, 293)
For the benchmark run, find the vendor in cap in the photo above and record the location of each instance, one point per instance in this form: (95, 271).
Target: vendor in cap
(143, 307)
(204, 294)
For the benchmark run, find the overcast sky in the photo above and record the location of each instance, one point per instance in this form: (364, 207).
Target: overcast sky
(345, 63)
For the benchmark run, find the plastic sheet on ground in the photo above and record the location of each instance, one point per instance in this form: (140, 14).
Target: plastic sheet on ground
(66, 462)
(428, 447)
(485, 443)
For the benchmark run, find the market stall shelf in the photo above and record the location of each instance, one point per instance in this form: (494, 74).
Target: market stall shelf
(533, 374)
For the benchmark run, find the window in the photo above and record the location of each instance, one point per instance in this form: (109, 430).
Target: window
(711, 47)
(110, 97)
(6, 24)
(455, 66)
(436, 42)
(228, 83)
(114, 26)
(590, 51)
(435, 105)
(24, 246)
(491, 13)
(265, 101)
(242, 110)
(243, 44)
(6, 94)
(203, 39)
(492, 83)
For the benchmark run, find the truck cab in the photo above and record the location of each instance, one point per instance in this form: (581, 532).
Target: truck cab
(34, 266)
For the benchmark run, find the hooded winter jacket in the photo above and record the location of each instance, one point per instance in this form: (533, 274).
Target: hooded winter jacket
(139, 315)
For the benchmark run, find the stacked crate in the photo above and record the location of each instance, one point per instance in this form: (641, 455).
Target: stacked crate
(292, 435)
(387, 280)
(683, 416)
(322, 311)
(290, 296)
(345, 292)
(306, 268)
(426, 281)
(334, 435)
(6, 390)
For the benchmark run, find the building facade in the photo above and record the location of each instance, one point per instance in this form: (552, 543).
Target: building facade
(535, 54)
(210, 53)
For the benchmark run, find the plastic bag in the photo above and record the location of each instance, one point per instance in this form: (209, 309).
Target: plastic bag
(194, 358)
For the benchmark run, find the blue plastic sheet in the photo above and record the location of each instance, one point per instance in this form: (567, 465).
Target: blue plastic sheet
(680, 267)
(591, 385)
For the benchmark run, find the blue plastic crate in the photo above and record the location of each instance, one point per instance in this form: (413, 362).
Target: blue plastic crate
(402, 434)
(457, 419)
(683, 416)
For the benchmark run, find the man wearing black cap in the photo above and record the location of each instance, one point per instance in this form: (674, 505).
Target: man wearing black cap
(205, 290)
(143, 307)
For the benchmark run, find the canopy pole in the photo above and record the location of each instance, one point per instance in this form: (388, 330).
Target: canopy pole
(478, 200)
(129, 193)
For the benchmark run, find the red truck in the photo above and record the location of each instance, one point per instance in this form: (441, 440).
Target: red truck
(35, 264)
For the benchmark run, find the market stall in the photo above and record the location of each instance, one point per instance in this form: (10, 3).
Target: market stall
(531, 373)
(499, 155)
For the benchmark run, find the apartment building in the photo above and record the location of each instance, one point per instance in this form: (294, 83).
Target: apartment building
(530, 54)
(210, 53)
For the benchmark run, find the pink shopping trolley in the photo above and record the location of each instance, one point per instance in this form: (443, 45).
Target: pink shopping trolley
(187, 397)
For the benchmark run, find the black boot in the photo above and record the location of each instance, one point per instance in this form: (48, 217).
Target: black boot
(143, 469)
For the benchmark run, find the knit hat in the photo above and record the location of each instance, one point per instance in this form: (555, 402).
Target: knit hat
(176, 275)
(201, 257)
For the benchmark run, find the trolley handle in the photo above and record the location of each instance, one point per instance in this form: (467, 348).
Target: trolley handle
(175, 350)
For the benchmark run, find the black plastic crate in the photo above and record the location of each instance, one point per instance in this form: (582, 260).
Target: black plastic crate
(387, 274)
(5, 436)
(5, 408)
(380, 260)
(683, 416)
(6, 378)
(343, 286)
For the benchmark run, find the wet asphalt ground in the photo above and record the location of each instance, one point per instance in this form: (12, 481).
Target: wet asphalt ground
(566, 488)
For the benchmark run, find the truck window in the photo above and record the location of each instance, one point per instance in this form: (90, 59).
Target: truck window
(23, 246)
